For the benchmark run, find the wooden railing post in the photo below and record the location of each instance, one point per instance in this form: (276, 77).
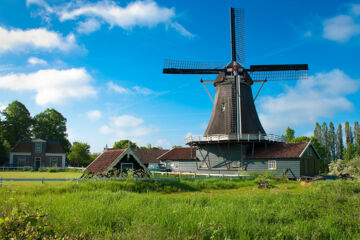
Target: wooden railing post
(42, 180)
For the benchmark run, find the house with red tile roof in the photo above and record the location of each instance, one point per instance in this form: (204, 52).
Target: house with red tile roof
(149, 157)
(120, 160)
(38, 153)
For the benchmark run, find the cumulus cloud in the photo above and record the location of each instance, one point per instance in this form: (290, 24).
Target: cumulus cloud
(88, 26)
(37, 61)
(343, 27)
(138, 13)
(39, 38)
(322, 95)
(134, 90)
(126, 127)
(51, 85)
(94, 114)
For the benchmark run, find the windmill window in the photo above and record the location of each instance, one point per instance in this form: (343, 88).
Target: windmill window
(223, 107)
(272, 164)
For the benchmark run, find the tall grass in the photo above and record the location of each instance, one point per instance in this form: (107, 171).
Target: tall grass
(129, 210)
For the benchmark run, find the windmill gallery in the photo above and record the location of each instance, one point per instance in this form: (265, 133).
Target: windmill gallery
(235, 139)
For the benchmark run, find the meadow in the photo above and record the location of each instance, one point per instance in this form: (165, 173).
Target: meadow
(184, 209)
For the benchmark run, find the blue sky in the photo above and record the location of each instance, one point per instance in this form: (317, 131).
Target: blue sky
(100, 63)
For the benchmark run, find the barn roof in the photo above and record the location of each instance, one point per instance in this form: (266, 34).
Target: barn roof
(149, 155)
(25, 146)
(104, 160)
(182, 153)
(280, 150)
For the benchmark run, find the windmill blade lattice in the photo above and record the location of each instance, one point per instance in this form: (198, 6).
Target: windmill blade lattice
(192, 67)
(237, 24)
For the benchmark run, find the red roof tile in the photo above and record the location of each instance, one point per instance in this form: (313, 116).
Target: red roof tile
(182, 153)
(278, 150)
(104, 161)
(26, 146)
(149, 155)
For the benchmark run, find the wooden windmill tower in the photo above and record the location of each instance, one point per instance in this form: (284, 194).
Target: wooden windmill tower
(234, 127)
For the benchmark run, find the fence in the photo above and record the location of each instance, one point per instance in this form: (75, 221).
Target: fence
(77, 180)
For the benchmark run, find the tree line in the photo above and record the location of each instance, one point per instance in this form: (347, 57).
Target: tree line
(17, 124)
(329, 141)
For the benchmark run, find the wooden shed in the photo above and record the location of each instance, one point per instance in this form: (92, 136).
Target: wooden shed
(116, 160)
(298, 159)
(181, 159)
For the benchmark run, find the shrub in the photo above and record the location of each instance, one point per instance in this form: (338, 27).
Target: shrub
(341, 167)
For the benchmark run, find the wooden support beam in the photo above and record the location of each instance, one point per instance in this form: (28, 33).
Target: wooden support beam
(257, 94)
(207, 90)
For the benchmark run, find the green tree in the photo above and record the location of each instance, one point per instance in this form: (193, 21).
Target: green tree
(339, 142)
(332, 141)
(301, 139)
(357, 137)
(93, 156)
(79, 155)
(349, 152)
(348, 133)
(317, 132)
(149, 146)
(176, 146)
(51, 125)
(16, 122)
(5, 149)
(322, 152)
(290, 134)
(122, 144)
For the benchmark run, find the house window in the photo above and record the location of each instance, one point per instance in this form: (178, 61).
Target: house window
(125, 167)
(21, 161)
(272, 164)
(38, 147)
(53, 162)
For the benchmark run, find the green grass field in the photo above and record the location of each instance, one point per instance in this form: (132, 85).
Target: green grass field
(197, 209)
(70, 175)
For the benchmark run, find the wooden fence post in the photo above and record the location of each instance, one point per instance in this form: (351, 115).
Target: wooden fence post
(42, 180)
(0, 182)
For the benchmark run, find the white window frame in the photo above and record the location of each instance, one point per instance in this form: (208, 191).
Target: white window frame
(37, 148)
(23, 159)
(53, 159)
(132, 166)
(272, 164)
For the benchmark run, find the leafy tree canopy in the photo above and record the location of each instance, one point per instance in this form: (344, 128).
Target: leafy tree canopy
(16, 122)
(51, 125)
(150, 147)
(79, 155)
(122, 144)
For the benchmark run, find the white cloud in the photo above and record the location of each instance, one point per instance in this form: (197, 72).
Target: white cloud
(51, 85)
(340, 28)
(163, 143)
(355, 9)
(37, 61)
(39, 38)
(94, 114)
(138, 13)
(134, 90)
(126, 127)
(89, 26)
(322, 95)
(118, 88)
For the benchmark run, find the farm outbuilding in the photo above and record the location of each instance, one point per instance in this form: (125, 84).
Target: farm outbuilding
(116, 160)
(149, 157)
(296, 159)
(182, 159)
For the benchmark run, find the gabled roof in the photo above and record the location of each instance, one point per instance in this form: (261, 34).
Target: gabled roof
(108, 159)
(182, 153)
(281, 151)
(149, 155)
(104, 160)
(24, 146)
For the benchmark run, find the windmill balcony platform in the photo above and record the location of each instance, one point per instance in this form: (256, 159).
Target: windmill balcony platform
(234, 138)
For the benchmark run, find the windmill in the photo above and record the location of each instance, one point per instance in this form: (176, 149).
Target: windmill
(234, 122)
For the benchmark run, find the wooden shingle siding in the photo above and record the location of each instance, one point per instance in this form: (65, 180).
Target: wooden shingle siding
(261, 166)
